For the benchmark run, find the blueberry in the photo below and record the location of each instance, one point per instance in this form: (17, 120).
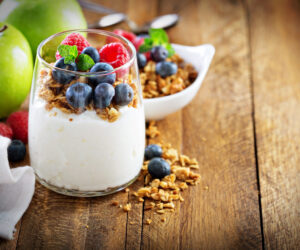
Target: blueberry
(16, 151)
(92, 52)
(101, 67)
(158, 168)
(79, 95)
(124, 94)
(165, 69)
(61, 76)
(142, 60)
(159, 53)
(143, 35)
(103, 95)
(152, 151)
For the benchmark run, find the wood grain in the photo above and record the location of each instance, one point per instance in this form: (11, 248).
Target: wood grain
(218, 129)
(243, 124)
(275, 57)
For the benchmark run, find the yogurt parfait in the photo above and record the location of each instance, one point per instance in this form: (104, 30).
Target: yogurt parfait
(86, 117)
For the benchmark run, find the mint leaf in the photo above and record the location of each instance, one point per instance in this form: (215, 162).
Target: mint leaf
(70, 53)
(69, 59)
(84, 62)
(158, 37)
(146, 46)
(170, 49)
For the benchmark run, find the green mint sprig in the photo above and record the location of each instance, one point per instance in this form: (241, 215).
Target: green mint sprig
(84, 62)
(70, 53)
(158, 37)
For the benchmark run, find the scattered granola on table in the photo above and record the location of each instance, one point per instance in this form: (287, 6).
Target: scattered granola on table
(162, 194)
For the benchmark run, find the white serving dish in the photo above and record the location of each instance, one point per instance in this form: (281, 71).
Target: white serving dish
(200, 57)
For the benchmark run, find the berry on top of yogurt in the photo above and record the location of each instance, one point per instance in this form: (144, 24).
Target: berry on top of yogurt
(102, 67)
(124, 94)
(87, 79)
(74, 39)
(79, 95)
(103, 95)
(92, 52)
(115, 54)
(61, 76)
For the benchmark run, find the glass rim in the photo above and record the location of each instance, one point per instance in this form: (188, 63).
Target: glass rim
(95, 31)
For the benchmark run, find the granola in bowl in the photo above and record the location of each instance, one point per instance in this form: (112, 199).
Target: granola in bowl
(170, 74)
(154, 85)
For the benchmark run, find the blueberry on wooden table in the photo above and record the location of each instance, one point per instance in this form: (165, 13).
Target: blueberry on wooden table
(159, 168)
(152, 150)
(16, 151)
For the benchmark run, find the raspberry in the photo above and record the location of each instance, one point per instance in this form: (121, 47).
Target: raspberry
(74, 39)
(115, 54)
(5, 130)
(19, 124)
(148, 55)
(138, 42)
(128, 35)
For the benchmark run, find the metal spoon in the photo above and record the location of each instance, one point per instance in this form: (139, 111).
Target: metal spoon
(163, 22)
(113, 18)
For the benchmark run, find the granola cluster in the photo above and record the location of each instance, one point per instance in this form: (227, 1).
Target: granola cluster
(161, 195)
(154, 85)
(54, 94)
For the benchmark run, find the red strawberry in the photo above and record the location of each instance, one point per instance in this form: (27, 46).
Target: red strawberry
(74, 39)
(6, 130)
(115, 54)
(19, 124)
(128, 35)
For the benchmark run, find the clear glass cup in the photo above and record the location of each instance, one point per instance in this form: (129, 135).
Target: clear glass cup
(84, 152)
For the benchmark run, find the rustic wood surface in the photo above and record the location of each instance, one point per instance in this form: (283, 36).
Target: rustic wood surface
(243, 127)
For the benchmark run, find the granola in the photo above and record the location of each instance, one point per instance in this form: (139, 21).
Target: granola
(161, 195)
(154, 85)
(54, 94)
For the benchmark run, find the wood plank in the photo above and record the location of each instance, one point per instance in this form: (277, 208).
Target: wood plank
(54, 221)
(218, 129)
(275, 49)
(165, 235)
(154, 235)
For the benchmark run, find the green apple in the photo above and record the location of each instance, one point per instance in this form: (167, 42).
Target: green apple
(39, 19)
(15, 69)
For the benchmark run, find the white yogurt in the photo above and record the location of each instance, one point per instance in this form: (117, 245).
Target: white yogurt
(87, 153)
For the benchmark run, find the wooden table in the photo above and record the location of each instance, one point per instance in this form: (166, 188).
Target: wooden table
(243, 127)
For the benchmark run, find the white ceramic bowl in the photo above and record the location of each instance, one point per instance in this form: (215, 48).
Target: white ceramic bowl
(200, 57)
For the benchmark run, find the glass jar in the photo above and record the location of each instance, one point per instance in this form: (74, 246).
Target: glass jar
(91, 151)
